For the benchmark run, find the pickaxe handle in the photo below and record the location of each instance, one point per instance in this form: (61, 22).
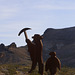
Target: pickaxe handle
(25, 35)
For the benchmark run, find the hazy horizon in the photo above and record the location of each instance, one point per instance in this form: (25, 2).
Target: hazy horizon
(38, 15)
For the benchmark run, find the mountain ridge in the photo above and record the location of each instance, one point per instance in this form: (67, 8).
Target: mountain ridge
(62, 41)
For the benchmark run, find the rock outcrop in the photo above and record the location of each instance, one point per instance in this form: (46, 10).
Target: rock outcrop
(13, 54)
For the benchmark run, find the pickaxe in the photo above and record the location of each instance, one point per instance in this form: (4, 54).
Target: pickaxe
(24, 30)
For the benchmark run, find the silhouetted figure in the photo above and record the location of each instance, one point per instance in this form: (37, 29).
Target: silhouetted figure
(53, 63)
(35, 50)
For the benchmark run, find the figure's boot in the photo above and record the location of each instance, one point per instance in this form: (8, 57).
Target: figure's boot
(30, 71)
(33, 67)
(41, 69)
(53, 74)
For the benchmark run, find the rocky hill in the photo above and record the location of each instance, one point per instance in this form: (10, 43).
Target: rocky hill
(13, 54)
(62, 41)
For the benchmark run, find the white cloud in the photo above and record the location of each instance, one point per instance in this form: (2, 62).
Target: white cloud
(6, 35)
(56, 5)
(7, 12)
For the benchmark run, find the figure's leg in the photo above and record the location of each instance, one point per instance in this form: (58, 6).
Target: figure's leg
(33, 66)
(53, 72)
(41, 66)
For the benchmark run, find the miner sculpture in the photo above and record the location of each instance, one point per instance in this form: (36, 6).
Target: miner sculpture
(35, 49)
(52, 64)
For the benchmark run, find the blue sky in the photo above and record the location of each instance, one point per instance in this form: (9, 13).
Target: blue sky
(36, 14)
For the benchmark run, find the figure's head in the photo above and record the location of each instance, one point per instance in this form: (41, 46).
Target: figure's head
(52, 54)
(37, 37)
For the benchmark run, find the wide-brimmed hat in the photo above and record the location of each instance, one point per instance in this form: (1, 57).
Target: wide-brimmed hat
(37, 35)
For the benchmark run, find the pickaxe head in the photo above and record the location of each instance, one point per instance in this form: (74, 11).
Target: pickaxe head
(23, 30)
